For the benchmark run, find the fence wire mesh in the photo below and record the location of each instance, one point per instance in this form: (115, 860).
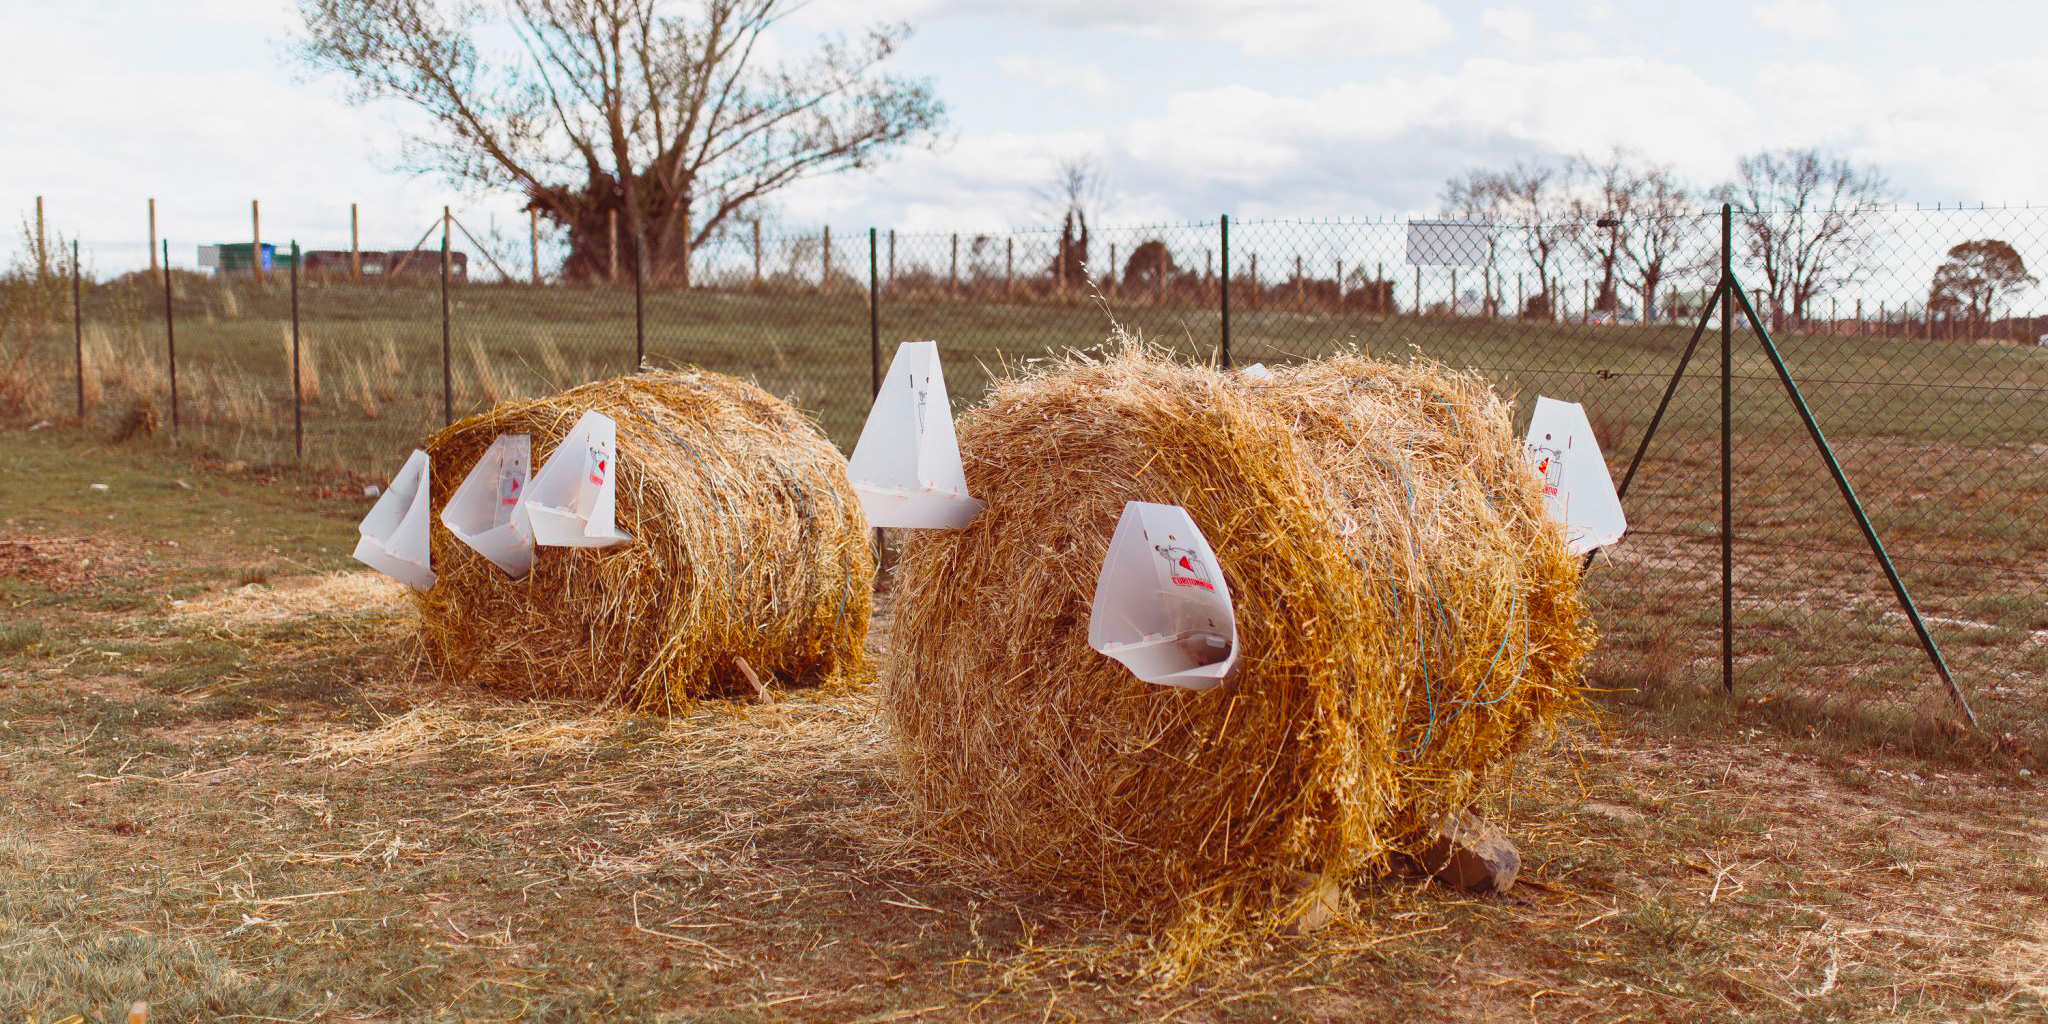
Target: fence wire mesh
(1912, 335)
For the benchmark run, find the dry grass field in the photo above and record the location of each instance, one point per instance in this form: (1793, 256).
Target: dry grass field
(1943, 438)
(228, 788)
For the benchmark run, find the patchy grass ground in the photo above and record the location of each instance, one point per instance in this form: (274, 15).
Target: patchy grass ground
(228, 789)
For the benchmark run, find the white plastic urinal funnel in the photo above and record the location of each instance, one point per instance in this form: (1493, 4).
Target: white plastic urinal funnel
(394, 534)
(1577, 489)
(1162, 607)
(906, 465)
(488, 511)
(572, 501)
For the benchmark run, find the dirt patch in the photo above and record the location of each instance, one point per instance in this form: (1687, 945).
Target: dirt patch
(59, 563)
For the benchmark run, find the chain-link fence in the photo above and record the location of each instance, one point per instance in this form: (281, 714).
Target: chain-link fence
(1910, 332)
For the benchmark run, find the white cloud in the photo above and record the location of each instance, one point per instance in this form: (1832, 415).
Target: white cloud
(1087, 79)
(238, 130)
(1805, 19)
(1270, 28)
(1980, 132)
(983, 182)
(1525, 33)
(1252, 143)
(1387, 145)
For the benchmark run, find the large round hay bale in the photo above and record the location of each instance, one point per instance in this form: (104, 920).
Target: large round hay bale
(1408, 620)
(748, 543)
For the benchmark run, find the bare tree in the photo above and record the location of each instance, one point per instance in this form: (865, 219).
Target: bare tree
(1599, 213)
(1527, 203)
(1475, 198)
(657, 112)
(1634, 222)
(1804, 220)
(1075, 190)
(1535, 199)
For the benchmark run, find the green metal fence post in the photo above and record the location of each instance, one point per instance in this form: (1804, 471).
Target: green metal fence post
(1727, 458)
(298, 389)
(875, 374)
(171, 339)
(1877, 548)
(447, 363)
(639, 306)
(875, 317)
(78, 326)
(1225, 286)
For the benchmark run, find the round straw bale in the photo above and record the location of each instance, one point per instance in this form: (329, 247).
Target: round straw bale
(1408, 619)
(748, 543)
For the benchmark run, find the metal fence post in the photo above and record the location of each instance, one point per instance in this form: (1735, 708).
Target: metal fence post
(1224, 243)
(78, 321)
(639, 305)
(447, 363)
(1841, 478)
(298, 388)
(171, 339)
(875, 375)
(1727, 456)
(874, 319)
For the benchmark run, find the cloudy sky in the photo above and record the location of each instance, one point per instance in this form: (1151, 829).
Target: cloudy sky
(1276, 108)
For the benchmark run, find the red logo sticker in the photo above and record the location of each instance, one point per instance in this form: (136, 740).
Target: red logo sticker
(1184, 567)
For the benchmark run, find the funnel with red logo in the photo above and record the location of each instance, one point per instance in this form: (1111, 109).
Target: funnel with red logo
(906, 465)
(488, 511)
(1162, 607)
(394, 534)
(571, 501)
(1577, 490)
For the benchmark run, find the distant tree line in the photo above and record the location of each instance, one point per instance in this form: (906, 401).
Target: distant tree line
(1803, 226)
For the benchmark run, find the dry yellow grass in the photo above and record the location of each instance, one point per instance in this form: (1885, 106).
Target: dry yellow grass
(553, 366)
(362, 391)
(120, 368)
(1408, 619)
(492, 384)
(394, 370)
(747, 543)
(308, 365)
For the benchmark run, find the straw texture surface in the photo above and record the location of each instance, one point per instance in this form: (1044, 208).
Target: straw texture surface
(1408, 620)
(748, 542)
